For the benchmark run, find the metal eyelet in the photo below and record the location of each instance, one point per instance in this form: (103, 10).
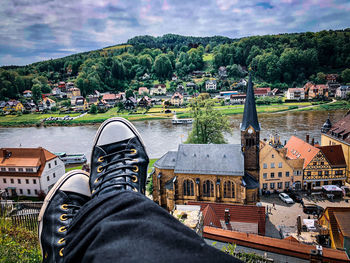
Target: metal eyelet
(135, 169)
(136, 160)
(93, 191)
(99, 169)
(63, 217)
(61, 241)
(100, 159)
(61, 252)
(64, 207)
(135, 190)
(134, 179)
(62, 229)
(96, 181)
(133, 151)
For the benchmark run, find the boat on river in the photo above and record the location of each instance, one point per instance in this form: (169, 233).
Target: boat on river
(67, 159)
(176, 121)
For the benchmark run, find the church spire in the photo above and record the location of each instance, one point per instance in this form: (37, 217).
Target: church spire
(250, 117)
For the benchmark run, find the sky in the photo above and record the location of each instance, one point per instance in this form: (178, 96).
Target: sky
(36, 30)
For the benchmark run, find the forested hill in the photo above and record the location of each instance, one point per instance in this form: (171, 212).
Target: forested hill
(281, 60)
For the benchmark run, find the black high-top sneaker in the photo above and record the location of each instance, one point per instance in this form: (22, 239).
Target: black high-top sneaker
(119, 159)
(62, 202)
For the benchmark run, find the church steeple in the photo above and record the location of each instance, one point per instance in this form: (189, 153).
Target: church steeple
(250, 117)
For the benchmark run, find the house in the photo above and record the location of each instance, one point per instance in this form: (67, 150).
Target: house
(158, 89)
(197, 74)
(237, 98)
(307, 87)
(177, 99)
(210, 85)
(338, 134)
(332, 78)
(336, 224)
(62, 86)
(342, 92)
(48, 103)
(110, 99)
(275, 92)
(323, 165)
(145, 76)
(143, 90)
(93, 100)
(191, 85)
(277, 172)
(130, 103)
(29, 106)
(73, 92)
(180, 89)
(316, 91)
(101, 105)
(13, 105)
(2, 104)
(27, 93)
(145, 102)
(332, 88)
(174, 77)
(223, 173)
(222, 72)
(28, 171)
(81, 104)
(295, 94)
(262, 92)
(242, 218)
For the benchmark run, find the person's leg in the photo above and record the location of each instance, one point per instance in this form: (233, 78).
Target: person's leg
(120, 224)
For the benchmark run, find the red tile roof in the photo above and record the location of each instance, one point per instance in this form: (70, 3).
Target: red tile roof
(334, 154)
(297, 148)
(109, 97)
(213, 213)
(274, 245)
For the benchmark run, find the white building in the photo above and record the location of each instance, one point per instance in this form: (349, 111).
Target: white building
(28, 171)
(342, 91)
(210, 85)
(295, 94)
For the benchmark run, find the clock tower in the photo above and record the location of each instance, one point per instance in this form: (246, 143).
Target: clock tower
(250, 133)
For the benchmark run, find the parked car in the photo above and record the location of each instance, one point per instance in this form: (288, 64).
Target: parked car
(285, 198)
(296, 197)
(313, 209)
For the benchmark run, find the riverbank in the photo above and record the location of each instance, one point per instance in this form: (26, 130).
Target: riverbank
(155, 113)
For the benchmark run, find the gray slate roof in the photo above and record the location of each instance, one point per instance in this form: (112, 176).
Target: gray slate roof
(217, 159)
(250, 182)
(167, 161)
(250, 116)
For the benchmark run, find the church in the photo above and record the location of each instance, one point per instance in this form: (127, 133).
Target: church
(224, 173)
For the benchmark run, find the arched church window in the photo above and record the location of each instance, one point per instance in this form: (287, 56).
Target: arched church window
(229, 189)
(188, 187)
(208, 188)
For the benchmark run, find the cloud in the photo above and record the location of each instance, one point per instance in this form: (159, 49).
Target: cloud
(33, 30)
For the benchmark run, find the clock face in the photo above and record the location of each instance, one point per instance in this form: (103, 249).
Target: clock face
(250, 130)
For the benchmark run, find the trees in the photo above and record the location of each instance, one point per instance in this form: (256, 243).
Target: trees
(162, 66)
(345, 75)
(208, 125)
(93, 109)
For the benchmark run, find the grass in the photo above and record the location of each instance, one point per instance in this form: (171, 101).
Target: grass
(74, 168)
(208, 57)
(117, 47)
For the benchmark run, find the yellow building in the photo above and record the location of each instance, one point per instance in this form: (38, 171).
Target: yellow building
(338, 134)
(277, 172)
(73, 92)
(13, 105)
(323, 165)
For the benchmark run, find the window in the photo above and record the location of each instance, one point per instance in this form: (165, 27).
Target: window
(272, 175)
(19, 181)
(3, 169)
(272, 165)
(34, 181)
(320, 173)
(318, 183)
(12, 169)
(55, 162)
(265, 175)
(54, 175)
(27, 181)
(264, 186)
(36, 191)
(4, 180)
(48, 178)
(279, 174)
(12, 181)
(279, 185)
(29, 170)
(309, 173)
(272, 185)
(272, 156)
(265, 165)
(287, 174)
(314, 163)
(49, 165)
(20, 169)
(279, 165)
(21, 191)
(208, 188)
(326, 172)
(322, 163)
(286, 185)
(325, 183)
(28, 191)
(188, 187)
(229, 189)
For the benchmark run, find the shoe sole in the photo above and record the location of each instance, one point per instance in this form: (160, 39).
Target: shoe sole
(50, 194)
(126, 122)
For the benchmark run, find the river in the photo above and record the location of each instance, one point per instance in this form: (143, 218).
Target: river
(161, 136)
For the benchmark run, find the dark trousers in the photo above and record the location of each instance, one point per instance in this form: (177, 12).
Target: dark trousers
(128, 227)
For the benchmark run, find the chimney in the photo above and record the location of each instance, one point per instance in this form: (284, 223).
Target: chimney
(285, 142)
(227, 216)
(307, 138)
(313, 142)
